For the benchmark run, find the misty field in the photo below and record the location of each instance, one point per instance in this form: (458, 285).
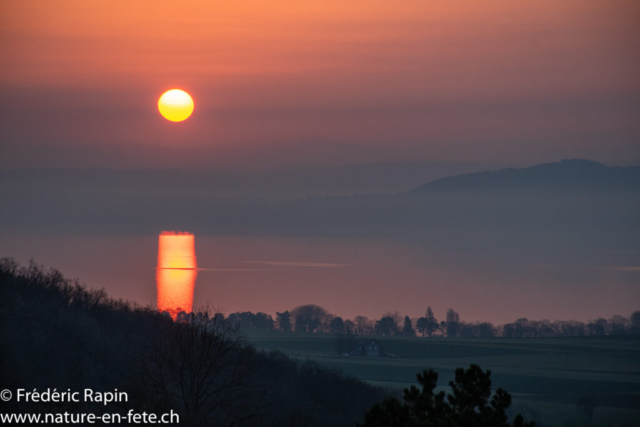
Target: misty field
(546, 377)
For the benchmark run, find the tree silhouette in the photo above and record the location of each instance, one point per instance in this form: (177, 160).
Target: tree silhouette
(205, 371)
(284, 321)
(248, 320)
(428, 324)
(421, 325)
(364, 326)
(201, 367)
(407, 329)
(470, 404)
(598, 327)
(386, 326)
(432, 322)
(635, 322)
(453, 323)
(618, 325)
(309, 317)
(336, 325)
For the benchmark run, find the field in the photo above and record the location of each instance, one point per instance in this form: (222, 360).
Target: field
(546, 377)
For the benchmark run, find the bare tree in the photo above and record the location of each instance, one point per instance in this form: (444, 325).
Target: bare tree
(618, 325)
(309, 318)
(364, 326)
(204, 369)
(349, 324)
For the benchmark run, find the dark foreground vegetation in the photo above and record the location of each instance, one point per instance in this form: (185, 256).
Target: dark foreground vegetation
(470, 404)
(56, 334)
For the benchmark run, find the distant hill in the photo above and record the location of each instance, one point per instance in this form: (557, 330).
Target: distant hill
(573, 174)
(584, 196)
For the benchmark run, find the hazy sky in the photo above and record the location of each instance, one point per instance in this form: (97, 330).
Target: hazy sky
(331, 82)
(286, 84)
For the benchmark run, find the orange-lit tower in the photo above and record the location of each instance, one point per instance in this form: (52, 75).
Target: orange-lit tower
(177, 271)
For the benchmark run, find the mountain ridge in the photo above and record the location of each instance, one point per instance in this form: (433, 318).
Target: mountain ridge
(565, 174)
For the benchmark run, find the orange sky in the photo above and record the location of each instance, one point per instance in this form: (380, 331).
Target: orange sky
(464, 80)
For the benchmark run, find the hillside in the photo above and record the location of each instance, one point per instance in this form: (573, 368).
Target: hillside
(574, 174)
(58, 334)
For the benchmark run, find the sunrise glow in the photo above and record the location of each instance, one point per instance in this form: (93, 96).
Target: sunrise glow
(175, 105)
(177, 271)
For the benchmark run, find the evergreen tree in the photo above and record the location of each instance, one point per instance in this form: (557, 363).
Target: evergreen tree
(469, 405)
(408, 330)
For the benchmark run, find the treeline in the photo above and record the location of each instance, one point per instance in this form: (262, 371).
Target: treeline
(57, 334)
(315, 319)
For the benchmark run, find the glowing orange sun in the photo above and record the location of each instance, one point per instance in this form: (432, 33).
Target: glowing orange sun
(175, 105)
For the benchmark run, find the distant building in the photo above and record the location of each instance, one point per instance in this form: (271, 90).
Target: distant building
(366, 348)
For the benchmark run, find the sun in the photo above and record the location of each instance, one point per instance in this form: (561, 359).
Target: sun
(175, 105)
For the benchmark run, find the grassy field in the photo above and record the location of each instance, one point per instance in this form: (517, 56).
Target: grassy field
(546, 377)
